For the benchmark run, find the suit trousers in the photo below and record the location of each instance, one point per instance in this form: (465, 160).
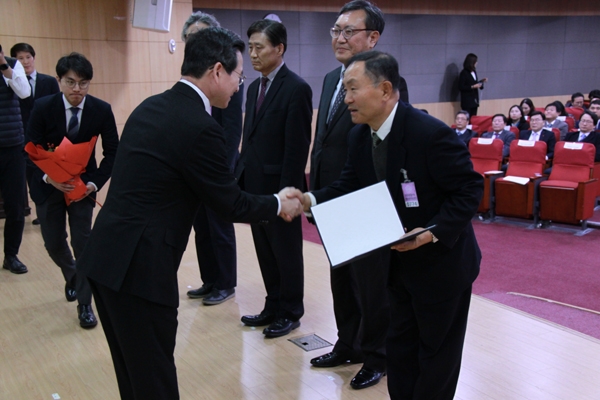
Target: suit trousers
(14, 194)
(215, 249)
(52, 215)
(141, 338)
(278, 247)
(424, 345)
(362, 309)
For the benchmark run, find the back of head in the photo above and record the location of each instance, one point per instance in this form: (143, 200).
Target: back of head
(273, 30)
(77, 63)
(469, 63)
(379, 67)
(198, 17)
(594, 94)
(22, 47)
(374, 19)
(209, 46)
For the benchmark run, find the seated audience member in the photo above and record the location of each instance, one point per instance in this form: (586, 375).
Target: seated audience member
(517, 119)
(594, 94)
(537, 132)
(586, 132)
(499, 132)
(461, 121)
(595, 109)
(552, 113)
(527, 107)
(576, 100)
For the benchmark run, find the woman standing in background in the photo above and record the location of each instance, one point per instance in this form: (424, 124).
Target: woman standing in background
(469, 85)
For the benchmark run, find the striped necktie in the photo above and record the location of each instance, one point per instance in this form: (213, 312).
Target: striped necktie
(73, 128)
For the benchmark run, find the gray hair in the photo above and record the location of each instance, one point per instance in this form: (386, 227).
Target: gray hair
(199, 16)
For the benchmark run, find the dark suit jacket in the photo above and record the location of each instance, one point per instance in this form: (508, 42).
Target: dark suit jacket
(448, 191)
(506, 136)
(48, 125)
(45, 85)
(593, 138)
(469, 98)
(546, 136)
(171, 158)
(467, 136)
(276, 140)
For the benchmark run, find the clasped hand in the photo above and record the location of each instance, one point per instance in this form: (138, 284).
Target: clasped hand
(291, 203)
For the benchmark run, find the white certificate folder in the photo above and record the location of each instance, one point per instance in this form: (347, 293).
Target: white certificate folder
(353, 225)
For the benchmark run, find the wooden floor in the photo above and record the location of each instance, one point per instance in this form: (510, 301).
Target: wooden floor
(45, 355)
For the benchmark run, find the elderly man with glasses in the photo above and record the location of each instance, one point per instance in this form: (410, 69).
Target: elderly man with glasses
(79, 117)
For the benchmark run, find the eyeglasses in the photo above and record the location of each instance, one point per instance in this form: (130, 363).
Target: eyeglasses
(586, 121)
(71, 84)
(347, 33)
(242, 78)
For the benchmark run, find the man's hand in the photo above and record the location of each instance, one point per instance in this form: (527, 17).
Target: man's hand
(65, 187)
(419, 241)
(291, 203)
(90, 189)
(306, 203)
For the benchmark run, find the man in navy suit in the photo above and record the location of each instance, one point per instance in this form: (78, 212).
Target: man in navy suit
(430, 277)
(537, 132)
(160, 177)
(499, 132)
(41, 85)
(276, 138)
(79, 117)
(359, 290)
(587, 133)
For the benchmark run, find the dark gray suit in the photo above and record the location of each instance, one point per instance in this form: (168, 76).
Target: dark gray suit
(506, 136)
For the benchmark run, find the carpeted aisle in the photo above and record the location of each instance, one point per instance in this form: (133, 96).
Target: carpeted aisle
(553, 265)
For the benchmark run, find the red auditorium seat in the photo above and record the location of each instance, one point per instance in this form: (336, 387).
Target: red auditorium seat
(483, 123)
(569, 194)
(526, 163)
(576, 112)
(486, 155)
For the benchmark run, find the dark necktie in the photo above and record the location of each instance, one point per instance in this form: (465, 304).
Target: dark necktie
(263, 91)
(336, 104)
(376, 139)
(29, 78)
(496, 135)
(73, 128)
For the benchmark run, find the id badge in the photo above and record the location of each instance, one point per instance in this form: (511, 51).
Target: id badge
(410, 195)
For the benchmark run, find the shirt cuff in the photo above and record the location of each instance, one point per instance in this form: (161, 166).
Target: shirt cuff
(45, 178)
(278, 204)
(313, 202)
(94, 185)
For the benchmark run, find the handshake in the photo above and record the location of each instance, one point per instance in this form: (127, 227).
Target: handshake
(293, 203)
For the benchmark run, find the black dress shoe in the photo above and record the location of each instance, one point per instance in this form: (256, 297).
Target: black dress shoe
(13, 264)
(70, 293)
(35, 222)
(258, 320)
(366, 377)
(201, 292)
(218, 296)
(333, 359)
(280, 327)
(87, 319)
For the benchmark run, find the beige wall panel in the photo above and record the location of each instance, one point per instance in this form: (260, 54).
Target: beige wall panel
(116, 62)
(119, 23)
(122, 97)
(179, 14)
(87, 18)
(164, 66)
(159, 87)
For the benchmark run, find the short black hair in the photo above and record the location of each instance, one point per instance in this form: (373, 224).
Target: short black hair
(594, 94)
(77, 63)
(575, 95)
(22, 47)
(595, 102)
(275, 31)
(209, 46)
(500, 115)
(465, 113)
(379, 67)
(537, 113)
(373, 21)
(591, 114)
(469, 63)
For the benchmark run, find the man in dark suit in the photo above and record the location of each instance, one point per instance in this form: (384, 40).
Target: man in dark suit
(499, 132)
(595, 109)
(359, 290)
(13, 86)
(160, 177)
(587, 133)
(462, 121)
(430, 277)
(41, 85)
(537, 132)
(275, 144)
(215, 238)
(79, 117)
